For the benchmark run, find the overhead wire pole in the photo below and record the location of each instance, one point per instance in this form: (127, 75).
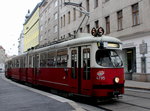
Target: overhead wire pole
(84, 11)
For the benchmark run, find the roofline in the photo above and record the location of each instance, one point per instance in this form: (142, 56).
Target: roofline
(37, 6)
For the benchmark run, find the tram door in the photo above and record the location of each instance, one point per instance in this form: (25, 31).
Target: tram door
(35, 68)
(80, 70)
(74, 70)
(86, 84)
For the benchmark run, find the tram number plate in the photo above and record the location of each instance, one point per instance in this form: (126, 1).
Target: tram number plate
(100, 78)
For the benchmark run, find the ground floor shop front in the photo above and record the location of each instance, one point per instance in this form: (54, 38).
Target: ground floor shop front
(136, 57)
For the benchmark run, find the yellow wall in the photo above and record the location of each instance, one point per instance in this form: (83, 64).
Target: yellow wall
(31, 31)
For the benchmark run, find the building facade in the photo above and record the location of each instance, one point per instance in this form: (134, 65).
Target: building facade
(31, 29)
(49, 21)
(127, 20)
(2, 59)
(21, 44)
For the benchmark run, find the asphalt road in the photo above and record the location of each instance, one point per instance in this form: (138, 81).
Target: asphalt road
(132, 100)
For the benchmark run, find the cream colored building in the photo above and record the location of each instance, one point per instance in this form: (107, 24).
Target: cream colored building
(127, 20)
(31, 29)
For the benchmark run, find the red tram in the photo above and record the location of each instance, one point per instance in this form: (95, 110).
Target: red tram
(86, 65)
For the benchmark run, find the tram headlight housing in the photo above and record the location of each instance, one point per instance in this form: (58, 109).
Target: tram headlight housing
(116, 80)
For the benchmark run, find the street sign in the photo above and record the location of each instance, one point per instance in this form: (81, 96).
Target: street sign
(143, 48)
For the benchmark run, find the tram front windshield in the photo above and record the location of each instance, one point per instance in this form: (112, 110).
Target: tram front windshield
(108, 58)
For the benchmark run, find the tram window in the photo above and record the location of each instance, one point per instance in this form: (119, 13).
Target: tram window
(13, 63)
(26, 61)
(21, 62)
(16, 63)
(74, 63)
(30, 61)
(43, 59)
(108, 58)
(86, 64)
(51, 59)
(62, 58)
(10, 64)
(36, 61)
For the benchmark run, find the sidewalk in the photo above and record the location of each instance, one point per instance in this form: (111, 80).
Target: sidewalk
(137, 84)
(17, 97)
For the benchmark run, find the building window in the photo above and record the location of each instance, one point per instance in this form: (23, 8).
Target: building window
(87, 5)
(74, 14)
(41, 28)
(69, 17)
(80, 30)
(55, 28)
(120, 18)
(61, 2)
(135, 14)
(106, 0)
(74, 33)
(80, 15)
(107, 19)
(61, 22)
(49, 20)
(95, 3)
(41, 38)
(97, 24)
(64, 20)
(55, 16)
(88, 28)
(56, 3)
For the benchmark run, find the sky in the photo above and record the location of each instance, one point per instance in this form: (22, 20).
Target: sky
(11, 22)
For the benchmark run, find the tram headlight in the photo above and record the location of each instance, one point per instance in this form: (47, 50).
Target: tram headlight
(116, 80)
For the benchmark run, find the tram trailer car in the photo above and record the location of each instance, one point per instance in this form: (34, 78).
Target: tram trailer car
(86, 65)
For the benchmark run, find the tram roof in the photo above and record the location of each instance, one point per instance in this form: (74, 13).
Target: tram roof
(82, 38)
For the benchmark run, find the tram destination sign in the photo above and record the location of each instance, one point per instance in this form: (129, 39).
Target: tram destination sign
(143, 48)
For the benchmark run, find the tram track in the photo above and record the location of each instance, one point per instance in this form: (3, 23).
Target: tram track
(137, 96)
(138, 93)
(134, 105)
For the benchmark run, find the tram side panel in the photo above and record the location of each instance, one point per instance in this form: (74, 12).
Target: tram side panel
(54, 78)
(30, 75)
(53, 71)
